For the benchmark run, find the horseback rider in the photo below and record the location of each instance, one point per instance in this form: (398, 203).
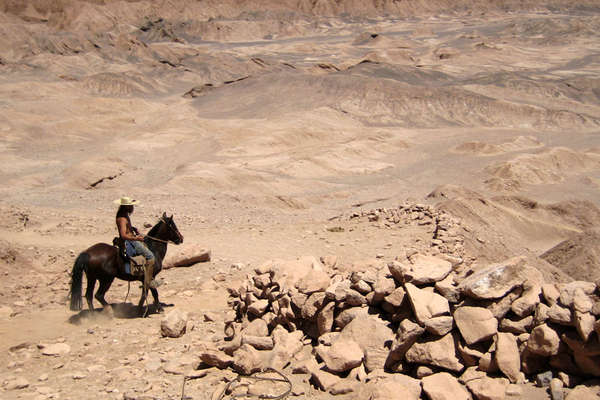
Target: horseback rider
(133, 240)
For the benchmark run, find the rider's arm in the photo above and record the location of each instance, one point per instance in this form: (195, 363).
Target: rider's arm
(122, 226)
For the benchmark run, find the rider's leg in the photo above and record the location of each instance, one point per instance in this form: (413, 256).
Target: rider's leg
(141, 249)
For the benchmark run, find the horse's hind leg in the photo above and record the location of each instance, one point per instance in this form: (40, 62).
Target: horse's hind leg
(104, 286)
(89, 293)
(157, 304)
(143, 300)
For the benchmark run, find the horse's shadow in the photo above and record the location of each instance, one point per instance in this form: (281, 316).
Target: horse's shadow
(116, 310)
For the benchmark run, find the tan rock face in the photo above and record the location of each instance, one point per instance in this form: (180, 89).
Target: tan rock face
(312, 305)
(342, 356)
(325, 318)
(584, 323)
(439, 325)
(407, 335)
(551, 293)
(525, 305)
(324, 380)
(216, 358)
(475, 323)
(439, 352)
(257, 327)
(426, 304)
(488, 388)
(508, 357)
(174, 323)
(373, 336)
(247, 360)
(315, 281)
(544, 341)
(581, 393)
(387, 389)
(443, 386)
(567, 291)
(420, 269)
(496, 280)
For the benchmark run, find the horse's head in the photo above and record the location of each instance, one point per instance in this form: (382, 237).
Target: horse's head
(173, 233)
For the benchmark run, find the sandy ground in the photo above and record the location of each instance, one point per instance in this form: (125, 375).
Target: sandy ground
(259, 130)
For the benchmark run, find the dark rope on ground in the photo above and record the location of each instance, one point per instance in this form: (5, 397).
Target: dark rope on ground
(239, 378)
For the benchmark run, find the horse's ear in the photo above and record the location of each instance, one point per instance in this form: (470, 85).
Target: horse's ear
(164, 215)
(171, 217)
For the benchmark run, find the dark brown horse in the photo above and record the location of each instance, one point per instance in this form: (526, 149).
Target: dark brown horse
(102, 262)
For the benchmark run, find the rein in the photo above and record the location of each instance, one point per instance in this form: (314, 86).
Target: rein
(158, 240)
(161, 240)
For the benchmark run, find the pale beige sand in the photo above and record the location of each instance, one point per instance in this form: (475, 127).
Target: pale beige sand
(295, 111)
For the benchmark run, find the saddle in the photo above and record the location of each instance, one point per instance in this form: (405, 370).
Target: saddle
(133, 265)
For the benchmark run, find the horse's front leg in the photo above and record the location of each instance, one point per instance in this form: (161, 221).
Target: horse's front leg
(141, 308)
(157, 305)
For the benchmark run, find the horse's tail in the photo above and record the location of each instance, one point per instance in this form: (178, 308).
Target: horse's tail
(80, 265)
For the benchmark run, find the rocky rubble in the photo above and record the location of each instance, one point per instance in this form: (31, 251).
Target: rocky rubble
(446, 230)
(416, 323)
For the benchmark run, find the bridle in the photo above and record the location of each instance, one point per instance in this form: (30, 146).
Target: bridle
(162, 240)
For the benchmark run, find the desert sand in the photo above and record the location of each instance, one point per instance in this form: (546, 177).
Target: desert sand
(264, 127)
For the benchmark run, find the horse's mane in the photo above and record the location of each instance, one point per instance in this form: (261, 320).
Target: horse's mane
(155, 228)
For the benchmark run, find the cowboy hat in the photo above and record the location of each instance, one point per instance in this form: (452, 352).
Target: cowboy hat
(126, 201)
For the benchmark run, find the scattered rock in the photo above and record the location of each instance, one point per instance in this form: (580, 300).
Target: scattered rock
(544, 341)
(174, 324)
(56, 349)
(17, 383)
(443, 386)
(342, 356)
(475, 323)
(497, 280)
(487, 388)
(216, 358)
(508, 357)
(439, 352)
(556, 389)
(373, 336)
(426, 305)
(420, 269)
(247, 360)
(324, 380)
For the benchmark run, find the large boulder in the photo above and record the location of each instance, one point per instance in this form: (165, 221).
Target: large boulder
(475, 323)
(439, 352)
(247, 360)
(324, 380)
(373, 336)
(174, 323)
(426, 304)
(385, 389)
(407, 334)
(508, 357)
(443, 386)
(325, 318)
(488, 388)
(215, 358)
(497, 280)
(420, 269)
(315, 281)
(343, 355)
(543, 341)
(286, 345)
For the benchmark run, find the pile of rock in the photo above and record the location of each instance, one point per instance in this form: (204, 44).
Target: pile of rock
(446, 230)
(413, 325)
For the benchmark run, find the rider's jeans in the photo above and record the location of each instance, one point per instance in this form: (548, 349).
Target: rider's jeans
(139, 249)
